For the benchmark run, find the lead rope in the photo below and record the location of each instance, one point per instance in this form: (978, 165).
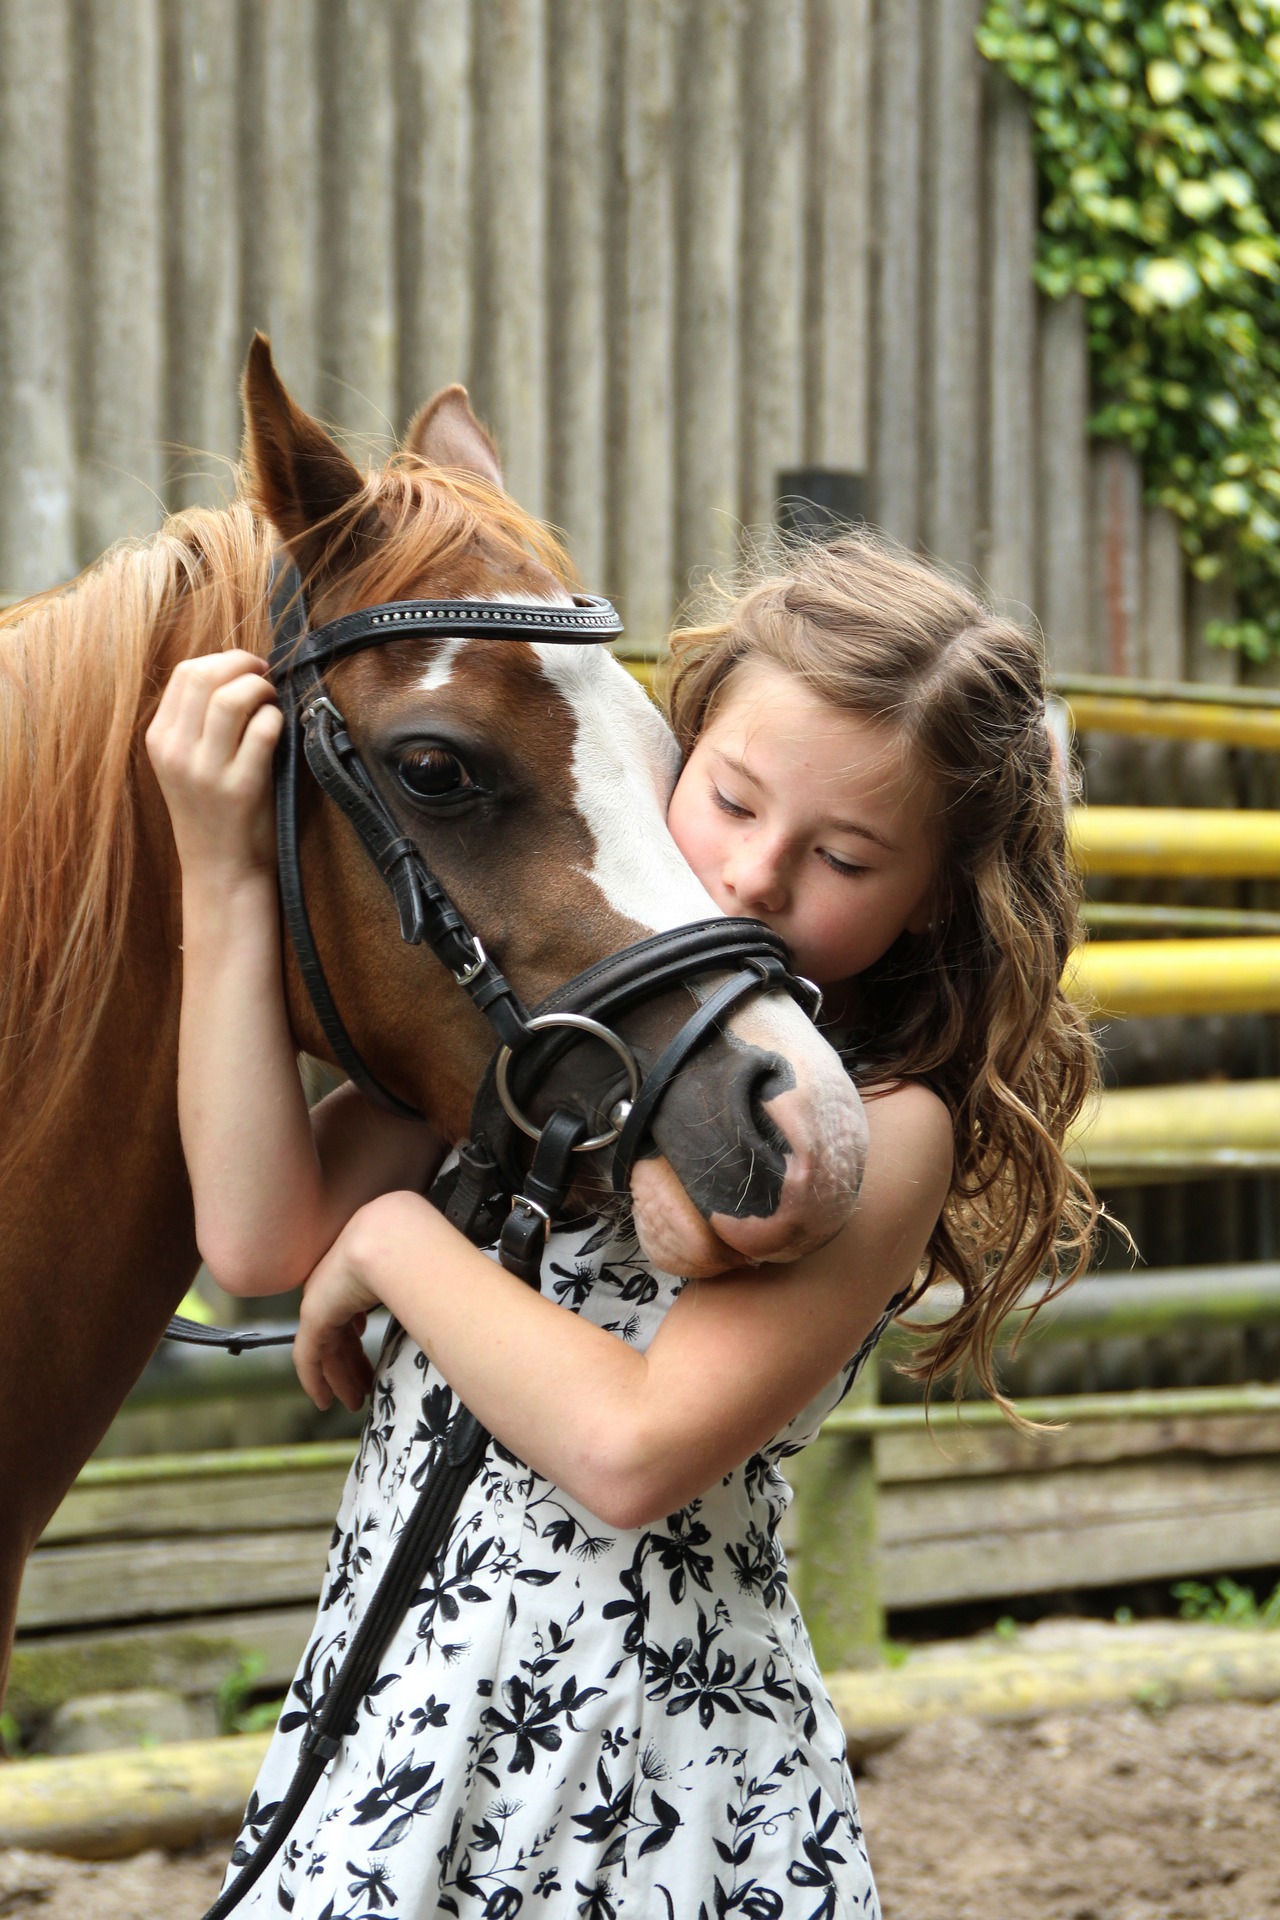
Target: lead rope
(521, 1245)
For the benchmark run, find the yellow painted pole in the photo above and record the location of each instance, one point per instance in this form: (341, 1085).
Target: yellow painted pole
(645, 671)
(1133, 977)
(1153, 1133)
(102, 1805)
(1175, 719)
(1199, 842)
(1115, 1670)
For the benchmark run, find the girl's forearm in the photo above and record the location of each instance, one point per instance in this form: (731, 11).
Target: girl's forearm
(564, 1395)
(245, 1129)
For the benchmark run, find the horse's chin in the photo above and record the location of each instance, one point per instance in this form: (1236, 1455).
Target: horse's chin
(675, 1237)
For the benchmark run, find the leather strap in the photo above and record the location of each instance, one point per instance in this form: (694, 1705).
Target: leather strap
(590, 618)
(670, 1061)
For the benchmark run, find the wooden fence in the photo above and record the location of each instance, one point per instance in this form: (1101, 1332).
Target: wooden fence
(172, 1570)
(673, 247)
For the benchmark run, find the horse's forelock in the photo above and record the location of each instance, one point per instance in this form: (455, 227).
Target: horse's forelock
(440, 529)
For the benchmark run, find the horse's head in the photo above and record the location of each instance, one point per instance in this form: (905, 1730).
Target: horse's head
(533, 778)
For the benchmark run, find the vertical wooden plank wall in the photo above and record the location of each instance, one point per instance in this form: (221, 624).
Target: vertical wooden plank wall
(672, 247)
(37, 485)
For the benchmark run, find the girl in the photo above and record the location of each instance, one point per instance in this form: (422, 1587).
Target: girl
(605, 1704)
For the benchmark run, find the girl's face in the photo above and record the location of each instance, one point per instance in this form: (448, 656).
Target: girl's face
(809, 819)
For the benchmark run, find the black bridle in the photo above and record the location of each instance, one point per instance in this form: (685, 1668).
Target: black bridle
(315, 732)
(487, 1194)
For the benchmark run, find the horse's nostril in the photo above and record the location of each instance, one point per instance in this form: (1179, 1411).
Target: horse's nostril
(714, 1128)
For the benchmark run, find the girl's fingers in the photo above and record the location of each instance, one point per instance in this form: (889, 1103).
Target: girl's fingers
(331, 1362)
(231, 706)
(184, 702)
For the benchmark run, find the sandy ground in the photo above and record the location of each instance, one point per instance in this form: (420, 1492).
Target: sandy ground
(1122, 1816)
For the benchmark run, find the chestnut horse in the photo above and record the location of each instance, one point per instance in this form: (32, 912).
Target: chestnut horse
(565, 858)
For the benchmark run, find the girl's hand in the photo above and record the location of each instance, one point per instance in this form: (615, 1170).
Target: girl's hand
(335, 1302)
(211, 744)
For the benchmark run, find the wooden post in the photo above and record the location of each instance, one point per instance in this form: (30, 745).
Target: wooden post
(839, 1579)
(37, 474)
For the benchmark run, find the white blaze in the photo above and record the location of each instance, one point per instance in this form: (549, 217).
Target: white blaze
(624, 766)
(440, 672)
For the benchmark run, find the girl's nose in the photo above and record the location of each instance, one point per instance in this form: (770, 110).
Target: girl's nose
(755, 875)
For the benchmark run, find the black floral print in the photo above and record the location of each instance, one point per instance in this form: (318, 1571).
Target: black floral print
(570, 1720)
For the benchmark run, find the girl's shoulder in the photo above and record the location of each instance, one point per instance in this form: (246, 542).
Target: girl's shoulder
(910, 1119)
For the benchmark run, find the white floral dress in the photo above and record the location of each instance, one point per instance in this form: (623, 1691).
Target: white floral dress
(570, 1720)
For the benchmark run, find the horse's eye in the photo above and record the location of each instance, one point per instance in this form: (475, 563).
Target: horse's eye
(433, 774)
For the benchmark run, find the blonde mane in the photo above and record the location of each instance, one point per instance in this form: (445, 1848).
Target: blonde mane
(81, 669)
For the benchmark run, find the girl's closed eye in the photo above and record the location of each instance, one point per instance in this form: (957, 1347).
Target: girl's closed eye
(726, 805)
(837, 865)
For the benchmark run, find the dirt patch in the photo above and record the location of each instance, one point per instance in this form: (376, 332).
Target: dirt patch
(151, 1886)
(1121, 1816)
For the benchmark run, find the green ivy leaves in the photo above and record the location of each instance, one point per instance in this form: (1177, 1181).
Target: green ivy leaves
(1157, 128)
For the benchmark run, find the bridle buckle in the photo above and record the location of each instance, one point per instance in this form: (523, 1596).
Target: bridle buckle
(477, 966)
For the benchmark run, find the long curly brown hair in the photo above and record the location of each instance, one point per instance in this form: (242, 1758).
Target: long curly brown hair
(974, 1006)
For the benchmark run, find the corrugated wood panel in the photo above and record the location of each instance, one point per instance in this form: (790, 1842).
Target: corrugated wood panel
(707, 359)
(1011, 465)
(899, 243)
(118, 250)
(954, 278)
(772, 366)
(37, 527)
(280, 181)
(1117, 557)
(357, 297)
(838, 290)
(1163, 597)
(1063, 522)
(644, 320)
(202, 278)
(578, 270)
(671, 247)
(510, 212)
(434, 210)
(147, 1579)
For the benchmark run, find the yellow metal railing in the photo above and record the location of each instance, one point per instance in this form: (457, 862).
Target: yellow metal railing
(1173, 710)
(1189, 842)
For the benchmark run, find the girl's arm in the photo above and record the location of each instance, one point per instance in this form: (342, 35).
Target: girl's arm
(270, 1194)
(634, 1436)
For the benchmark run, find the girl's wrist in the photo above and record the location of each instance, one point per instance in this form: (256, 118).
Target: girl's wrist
(215, 896)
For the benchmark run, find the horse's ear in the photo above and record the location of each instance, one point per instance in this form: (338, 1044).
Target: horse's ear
(297, 474)
(446, 433)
